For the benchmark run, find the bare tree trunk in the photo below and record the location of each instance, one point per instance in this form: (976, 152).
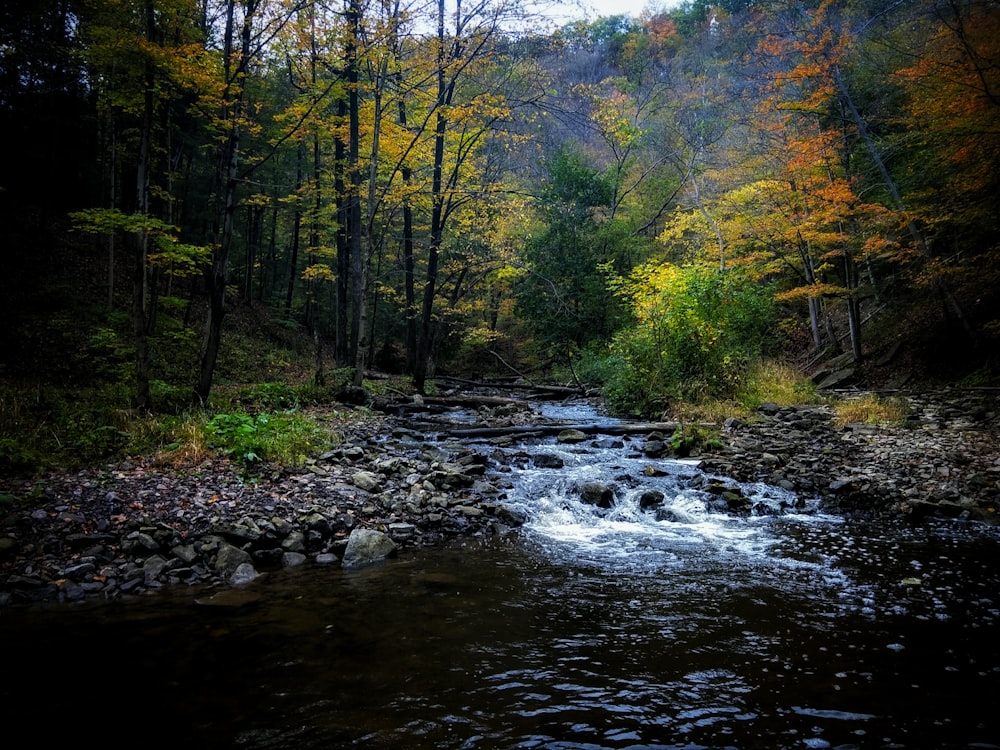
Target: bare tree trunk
(343, 247)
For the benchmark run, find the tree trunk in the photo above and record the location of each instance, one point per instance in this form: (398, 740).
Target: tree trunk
(234, 99)
(354, 221)
(293, 260)
(424, 345)
(140, 328)
(343, 246)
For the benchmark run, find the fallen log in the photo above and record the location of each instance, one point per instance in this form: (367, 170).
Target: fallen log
(555, 390)
(617, 428)
(465, 401)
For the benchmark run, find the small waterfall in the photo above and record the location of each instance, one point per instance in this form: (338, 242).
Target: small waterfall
(604, 501)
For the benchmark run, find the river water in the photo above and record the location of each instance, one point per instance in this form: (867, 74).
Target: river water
(590, 628)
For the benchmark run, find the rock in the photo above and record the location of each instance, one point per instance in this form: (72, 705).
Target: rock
(153, 568)
(367, 546)
(654, 448)
(244, 574)
(571, 436)
(229, 559)
(597, 493)
(837, 379)
(609, 444)
(292, 559)
(140, 541)
(401, 532)
(186, 553)
(510, 516)
(547, 461)
(8, 547)
(651, 499)
(294, 542)
(367, 481)
(80, 572)
(732, 424)
(353, 394)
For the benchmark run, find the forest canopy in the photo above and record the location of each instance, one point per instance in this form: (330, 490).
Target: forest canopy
(653, 203)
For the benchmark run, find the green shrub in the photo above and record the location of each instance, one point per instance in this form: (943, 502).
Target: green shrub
(285, 438)
(271, 396)
(695, 333)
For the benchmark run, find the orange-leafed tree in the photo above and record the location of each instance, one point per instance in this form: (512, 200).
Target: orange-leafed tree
(951, 86)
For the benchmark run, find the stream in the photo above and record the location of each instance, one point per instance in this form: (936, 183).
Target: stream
(679, 626)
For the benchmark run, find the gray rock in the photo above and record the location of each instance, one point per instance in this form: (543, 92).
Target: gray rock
(571, 436)
(292, 559)
(153, 567)
(547, 461)
(229, 559)
(294, 542)
(79, 572)
(366, 480)
(138, 540)
(243, 574)
(367, 546)
(186, 553)
(654, 448)
(609, 443)
(401, 532)
(837, 378)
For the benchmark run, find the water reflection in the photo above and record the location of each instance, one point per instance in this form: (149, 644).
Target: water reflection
(502, 647)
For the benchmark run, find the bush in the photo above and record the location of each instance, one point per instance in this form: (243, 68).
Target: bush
(695, 334)
(284, 438)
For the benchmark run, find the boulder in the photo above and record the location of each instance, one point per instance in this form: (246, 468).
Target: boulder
(244, 574)
(597, 493)
(547, 461)
(367, 546)
(229, 559)
(571, 436)
(366, 480)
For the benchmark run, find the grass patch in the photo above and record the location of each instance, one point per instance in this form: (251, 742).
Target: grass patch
(286, 438)
(765, 381)
(770, 381)
(870, 409)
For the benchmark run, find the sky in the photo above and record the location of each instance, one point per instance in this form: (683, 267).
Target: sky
(598, 8)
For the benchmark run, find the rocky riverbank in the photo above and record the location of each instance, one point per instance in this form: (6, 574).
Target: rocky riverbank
(944, 461)
(133, 527)
(130, 528)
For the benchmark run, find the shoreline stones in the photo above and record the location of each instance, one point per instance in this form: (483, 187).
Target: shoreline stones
(945, 461)
(127, 529)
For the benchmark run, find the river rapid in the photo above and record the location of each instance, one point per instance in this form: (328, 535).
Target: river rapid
(679, 626)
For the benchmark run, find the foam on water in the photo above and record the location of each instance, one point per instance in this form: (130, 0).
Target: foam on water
(685, 526)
